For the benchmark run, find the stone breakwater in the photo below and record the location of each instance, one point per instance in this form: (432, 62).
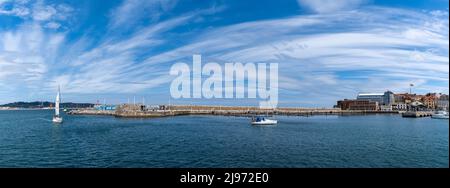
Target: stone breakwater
(90, 112)
(139, 111)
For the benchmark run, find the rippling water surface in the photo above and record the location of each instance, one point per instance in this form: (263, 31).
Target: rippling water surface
(29, 139)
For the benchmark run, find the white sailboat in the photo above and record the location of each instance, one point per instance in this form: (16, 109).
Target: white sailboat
(57, 118)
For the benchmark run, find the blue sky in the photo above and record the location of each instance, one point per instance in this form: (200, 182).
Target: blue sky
(119, 50)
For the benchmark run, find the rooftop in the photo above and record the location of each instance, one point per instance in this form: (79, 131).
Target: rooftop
(370, 94)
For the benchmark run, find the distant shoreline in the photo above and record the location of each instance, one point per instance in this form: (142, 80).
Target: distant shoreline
(25, 109)
(43, 105)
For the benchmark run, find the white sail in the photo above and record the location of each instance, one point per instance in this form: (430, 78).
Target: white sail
(57, 118)
(57, 103)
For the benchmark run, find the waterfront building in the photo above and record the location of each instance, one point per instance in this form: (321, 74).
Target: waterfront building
(389, 98)
(407, 98)
(430, 100)
(400, 107)
(399, 98)
(442, 102)
(342, 104)
(416, 106)
(410, 102)
(365, 105)
(375, 97)
(388, 101)
(386, 108)
(386, 98)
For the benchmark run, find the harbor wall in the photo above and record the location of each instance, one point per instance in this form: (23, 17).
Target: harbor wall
(139, 111)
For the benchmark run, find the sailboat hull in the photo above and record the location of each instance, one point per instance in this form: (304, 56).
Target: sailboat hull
(57, 120)
(439, 116)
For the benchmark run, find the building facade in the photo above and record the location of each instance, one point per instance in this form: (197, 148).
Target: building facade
(386, 108)
(386, 98)
(430, 100)
(374, 97)
(442, 102)
(400, 107)
(389, 98)
(364, 105)
(399, 98)
(407, 98)
(388, 101)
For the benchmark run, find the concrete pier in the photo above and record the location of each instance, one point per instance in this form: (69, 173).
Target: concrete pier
(417, 114)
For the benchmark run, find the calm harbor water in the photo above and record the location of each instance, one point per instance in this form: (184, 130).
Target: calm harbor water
(29, 139)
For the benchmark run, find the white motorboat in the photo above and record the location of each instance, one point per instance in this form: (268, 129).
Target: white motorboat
(57, 118)
(440, 115)
(263, 121)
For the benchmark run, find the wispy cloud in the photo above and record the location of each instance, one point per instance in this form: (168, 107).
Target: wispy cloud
(26, 55)
(109, 67)
(18, 8)
(49, 15)
(413, 47)
(131, 12)
(329, 6)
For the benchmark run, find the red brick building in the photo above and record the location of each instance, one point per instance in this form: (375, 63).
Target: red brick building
(358, 105)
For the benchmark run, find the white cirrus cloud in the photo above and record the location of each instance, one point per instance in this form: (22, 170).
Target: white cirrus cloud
(48, 15)
(329, 6)
(53, 25)
(373, 49)
(17, 8)
(27, 54)
(130, 12)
